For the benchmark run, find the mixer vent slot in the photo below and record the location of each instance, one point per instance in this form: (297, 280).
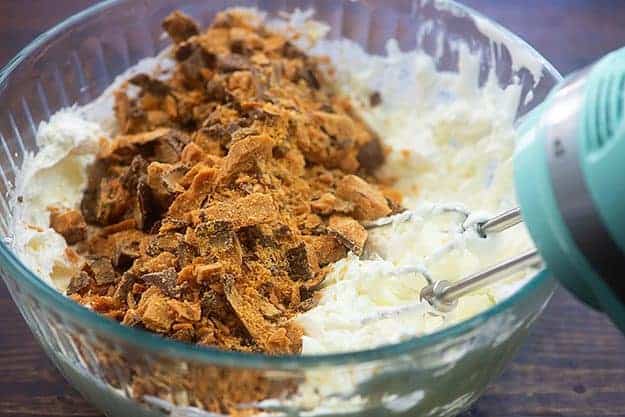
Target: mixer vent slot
(605, 106)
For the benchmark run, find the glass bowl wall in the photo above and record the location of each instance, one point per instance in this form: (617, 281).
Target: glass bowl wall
(125, 371)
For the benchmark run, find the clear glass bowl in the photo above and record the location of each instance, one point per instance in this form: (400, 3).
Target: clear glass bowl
(125, 371)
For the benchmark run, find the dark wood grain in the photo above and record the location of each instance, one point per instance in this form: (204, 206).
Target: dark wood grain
(574, 363)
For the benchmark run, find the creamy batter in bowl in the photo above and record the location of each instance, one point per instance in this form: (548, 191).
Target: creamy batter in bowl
(117, 367)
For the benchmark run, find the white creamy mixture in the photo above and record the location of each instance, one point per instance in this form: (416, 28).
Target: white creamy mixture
(452, 146)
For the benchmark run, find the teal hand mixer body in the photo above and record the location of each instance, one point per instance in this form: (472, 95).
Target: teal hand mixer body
(570, 183)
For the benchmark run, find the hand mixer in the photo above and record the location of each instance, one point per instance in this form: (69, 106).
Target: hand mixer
(570, 183)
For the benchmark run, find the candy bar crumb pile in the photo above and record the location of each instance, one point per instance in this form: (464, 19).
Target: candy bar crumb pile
(212, 216)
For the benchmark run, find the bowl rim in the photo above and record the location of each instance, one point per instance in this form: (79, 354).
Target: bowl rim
(151, 342)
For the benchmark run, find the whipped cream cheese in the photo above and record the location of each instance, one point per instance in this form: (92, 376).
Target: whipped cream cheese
(451, 143)
(55, 176)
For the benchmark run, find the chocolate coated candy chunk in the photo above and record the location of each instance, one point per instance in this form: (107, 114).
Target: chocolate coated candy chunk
(180, 27)
(164, 280)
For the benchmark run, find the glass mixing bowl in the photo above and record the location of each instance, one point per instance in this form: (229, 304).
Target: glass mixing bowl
(125, 371)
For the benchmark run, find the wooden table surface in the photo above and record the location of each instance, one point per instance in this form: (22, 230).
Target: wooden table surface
(574, 362)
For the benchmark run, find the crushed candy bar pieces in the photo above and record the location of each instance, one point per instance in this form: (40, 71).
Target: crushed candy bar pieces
(154, 311)
(302, 264)
(79, 283)
(112, 201)
(180, 27)
(123, 289)
(375, 99)
(101, 269)
(371, 155)
(272, 338)
(234, 182)
(128, 246)
(70, 224)
(161, 144)
(250, 210)
(165, 280)
(369, 202)
(327, 248)
(208, 272)
(247, 154)
(349, 232)
(185, 311)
